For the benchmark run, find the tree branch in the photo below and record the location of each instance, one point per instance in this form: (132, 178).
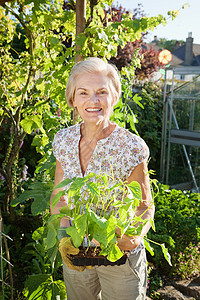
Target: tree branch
(9, 113)
(27, 30)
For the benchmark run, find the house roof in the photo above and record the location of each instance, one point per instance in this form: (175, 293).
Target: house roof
(178, 56)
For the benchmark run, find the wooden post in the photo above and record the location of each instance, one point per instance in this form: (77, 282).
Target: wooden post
(80, 26)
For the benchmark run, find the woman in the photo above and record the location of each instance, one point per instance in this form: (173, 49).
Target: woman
(95, 145)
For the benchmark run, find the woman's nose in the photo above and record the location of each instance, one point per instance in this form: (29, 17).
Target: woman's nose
(94, 98)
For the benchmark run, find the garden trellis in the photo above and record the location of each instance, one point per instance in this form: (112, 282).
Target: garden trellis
(3, 236)
(180, 154)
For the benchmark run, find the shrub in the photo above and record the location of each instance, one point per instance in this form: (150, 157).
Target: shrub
(177, 224)
(149, 120)
(186, 264)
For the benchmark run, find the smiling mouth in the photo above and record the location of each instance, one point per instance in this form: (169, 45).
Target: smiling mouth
(93, 109)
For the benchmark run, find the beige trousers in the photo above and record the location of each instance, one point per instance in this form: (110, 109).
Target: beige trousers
(125, 282)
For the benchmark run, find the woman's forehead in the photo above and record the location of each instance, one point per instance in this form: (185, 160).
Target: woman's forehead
(92, 80)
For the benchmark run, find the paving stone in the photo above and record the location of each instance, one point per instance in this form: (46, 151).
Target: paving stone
(171, 293)
(189, 287)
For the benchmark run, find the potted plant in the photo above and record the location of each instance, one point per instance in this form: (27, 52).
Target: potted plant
(97, 204)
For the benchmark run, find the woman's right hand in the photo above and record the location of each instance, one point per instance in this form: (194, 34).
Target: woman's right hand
(95, 242)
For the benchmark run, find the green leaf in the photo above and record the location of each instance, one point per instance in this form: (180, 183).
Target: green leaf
(53, 226)
(56, 199)
(152, 224)
(37, 120)
(137, 100)
(135, 189)
(111, 228)
(55, 41)
(78, 230)
(105, 178)
(148, 247)
(63, 183)
(78, 183)
(123, 226)
(98, 228)
(40, 192)
(27, 125)
(93, 188)
(131, 230)
(34, 281)
(117, 203)
(81, 223)
(166, 254)
(22, 198)
(114, 253)
(77, 238)
(64, 210)
(123, 213)
(38, 233)
(90, 175)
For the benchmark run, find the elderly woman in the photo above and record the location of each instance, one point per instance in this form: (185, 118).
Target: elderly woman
(95, 145)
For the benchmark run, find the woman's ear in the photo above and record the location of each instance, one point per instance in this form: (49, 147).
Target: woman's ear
(73, 103)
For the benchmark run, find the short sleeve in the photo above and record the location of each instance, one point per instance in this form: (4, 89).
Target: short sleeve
(138, 152)
(141, 150)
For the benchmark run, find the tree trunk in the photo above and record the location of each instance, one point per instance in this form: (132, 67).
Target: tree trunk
(10, 165)
(80, 26)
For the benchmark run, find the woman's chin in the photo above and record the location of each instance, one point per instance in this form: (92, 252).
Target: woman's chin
(95, 120)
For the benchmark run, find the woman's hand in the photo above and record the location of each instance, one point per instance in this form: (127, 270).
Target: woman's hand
(95, 242)
(127, 242)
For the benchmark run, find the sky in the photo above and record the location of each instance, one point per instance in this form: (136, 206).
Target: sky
(187, 21)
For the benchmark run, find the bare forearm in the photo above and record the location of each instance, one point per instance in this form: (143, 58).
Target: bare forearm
(63, 202)
(146, 213)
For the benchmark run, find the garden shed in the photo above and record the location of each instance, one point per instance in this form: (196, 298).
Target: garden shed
(180, 148)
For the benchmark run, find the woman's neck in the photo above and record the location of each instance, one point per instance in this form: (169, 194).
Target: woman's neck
(95, 132)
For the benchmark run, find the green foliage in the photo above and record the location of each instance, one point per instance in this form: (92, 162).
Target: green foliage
(85, 195)
(186, 264)
(170, 44)
(45, 268)
(43, 286)
(117, 202)
(33, 78)
(148, 116)
(154, 282)
(40, 192)
(177, 224)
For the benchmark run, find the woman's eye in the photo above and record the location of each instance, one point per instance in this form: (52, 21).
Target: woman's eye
(102, 92)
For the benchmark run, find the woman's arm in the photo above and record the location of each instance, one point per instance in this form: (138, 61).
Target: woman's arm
(58, 178)
(139, 174)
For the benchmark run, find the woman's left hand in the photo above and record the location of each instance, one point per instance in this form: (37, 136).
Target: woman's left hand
(127, 242)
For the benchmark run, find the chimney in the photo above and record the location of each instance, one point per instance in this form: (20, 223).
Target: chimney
(155, 41)
(189, 50)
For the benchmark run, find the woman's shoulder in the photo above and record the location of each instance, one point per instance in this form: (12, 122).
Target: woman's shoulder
(132, 144)
(67, 132)
(128, 137)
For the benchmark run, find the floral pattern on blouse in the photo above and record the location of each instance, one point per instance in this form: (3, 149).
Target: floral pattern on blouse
(122, 151)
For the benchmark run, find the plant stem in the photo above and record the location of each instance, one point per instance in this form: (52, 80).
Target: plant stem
(152, 241)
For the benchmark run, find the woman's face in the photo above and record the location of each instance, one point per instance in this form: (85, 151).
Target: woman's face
(93, 98)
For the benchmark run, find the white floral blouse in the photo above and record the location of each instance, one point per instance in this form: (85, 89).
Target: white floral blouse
(122, 151)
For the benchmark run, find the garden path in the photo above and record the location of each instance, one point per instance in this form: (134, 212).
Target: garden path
(181, 290)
